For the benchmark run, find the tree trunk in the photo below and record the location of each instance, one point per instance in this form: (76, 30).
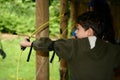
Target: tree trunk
(64, 32)
(42, 60)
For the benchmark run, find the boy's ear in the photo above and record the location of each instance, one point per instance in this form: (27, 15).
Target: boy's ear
(90, 32)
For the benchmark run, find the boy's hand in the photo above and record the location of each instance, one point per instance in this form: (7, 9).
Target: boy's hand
(25, 43)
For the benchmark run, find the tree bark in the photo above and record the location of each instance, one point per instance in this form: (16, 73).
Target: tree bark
(42, 60)
(64, 32)
(77, 7)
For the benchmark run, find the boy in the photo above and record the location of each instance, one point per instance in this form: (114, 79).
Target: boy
(88, 57)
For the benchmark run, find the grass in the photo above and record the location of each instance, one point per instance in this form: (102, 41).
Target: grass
(8, 66)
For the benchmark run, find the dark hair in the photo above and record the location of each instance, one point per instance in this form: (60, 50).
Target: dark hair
(91, 20)
(103, 9)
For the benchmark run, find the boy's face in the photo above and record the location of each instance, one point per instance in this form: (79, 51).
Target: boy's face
(82, 33)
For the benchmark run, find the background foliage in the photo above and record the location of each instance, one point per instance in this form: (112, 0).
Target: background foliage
(18, 16)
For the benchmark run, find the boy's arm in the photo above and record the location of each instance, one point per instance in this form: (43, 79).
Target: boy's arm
(42, 44)
(64, 48)
(117, 69)
(61, 47)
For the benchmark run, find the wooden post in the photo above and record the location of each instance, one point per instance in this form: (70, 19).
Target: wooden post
(115, 10)
(42, 60)
(77, 7)
(64, 32)
(74, 10)
(73, 14)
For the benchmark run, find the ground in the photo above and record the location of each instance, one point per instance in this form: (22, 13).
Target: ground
(6, 36)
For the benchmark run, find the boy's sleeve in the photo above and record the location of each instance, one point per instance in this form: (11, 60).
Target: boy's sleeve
(63, 48)
(118, 58)
(117, 68)
(42, 44)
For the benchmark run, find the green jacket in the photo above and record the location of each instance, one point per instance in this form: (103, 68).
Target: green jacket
(84, 63)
